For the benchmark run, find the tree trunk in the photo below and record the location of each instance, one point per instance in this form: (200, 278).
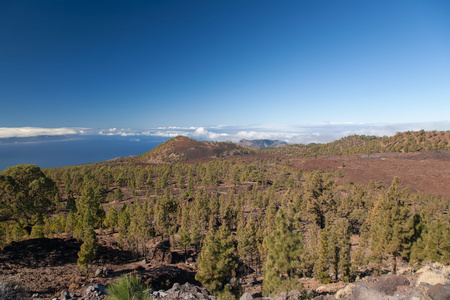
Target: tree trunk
(28, 229)
(394, 265)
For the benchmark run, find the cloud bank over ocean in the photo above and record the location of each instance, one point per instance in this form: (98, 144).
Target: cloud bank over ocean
(24, 132)
(304, 134)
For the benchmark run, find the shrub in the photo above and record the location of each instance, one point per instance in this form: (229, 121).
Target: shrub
(128, 287)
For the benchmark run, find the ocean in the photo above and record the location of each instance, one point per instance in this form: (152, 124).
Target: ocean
(51, 152)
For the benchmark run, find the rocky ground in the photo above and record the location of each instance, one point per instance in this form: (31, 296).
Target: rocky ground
(46, 269)
(424, 172)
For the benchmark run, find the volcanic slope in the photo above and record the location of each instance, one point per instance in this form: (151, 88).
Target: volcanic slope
(182, 148)
(423, 172)
(421, 159)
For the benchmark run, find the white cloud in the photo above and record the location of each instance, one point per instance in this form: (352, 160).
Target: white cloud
(22, 132)
(201, 132)
(304, 134)
(121, 132)
(166, 133)
(177, 127)
(319, 133)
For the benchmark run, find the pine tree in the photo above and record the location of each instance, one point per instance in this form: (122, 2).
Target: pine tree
(249, 242)
(345, 266)
(217, 261)
(341, 249)
(284, 248)
(322, 266)
(165, 214)
(139, 230)
(89, 246)
(318, 197)
(389, 230)
(191, 190)
(118, 195)
(434, 244)
(311, 250)
(71, 222)
(195, 237)
(123, 222)
(184, 236)
(90, 200)
(111, 218)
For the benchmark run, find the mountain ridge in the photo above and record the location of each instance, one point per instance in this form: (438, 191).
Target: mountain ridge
(262, 143)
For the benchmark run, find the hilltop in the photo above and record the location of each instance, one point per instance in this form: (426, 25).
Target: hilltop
(182, 148)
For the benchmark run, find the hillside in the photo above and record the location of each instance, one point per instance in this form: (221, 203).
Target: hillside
(421, 159)
(423, 172)
(182, 148)
(404, 142)
(359, 159)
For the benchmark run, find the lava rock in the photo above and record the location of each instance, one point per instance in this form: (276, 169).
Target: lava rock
(161, 253)
(66, 295)
(388, 284)
(292, 295)
(94, 292)
(185, 291)
(98, 272)
(439, 292)
(363, 291)
(246, 296)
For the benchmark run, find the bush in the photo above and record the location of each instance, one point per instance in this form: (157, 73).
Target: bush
(12, 290)
(128, 287)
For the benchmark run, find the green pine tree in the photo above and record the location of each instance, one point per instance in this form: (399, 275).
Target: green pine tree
(345, 266)
(322, 266)
(318, 197)
(123, 222)
(341, 249)
(434, 244)
(389, 227)
(184, 235)
(111, 218)
(249, 242)
(89, 246)
(217, 261)
(284, 249)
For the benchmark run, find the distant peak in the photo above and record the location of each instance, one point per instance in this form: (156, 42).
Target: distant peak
(262, 144)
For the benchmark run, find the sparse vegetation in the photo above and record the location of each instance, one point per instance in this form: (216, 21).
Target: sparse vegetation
(259, 210)
(409, 141)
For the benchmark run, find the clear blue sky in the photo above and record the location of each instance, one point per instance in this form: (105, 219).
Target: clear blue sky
(143, 64)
